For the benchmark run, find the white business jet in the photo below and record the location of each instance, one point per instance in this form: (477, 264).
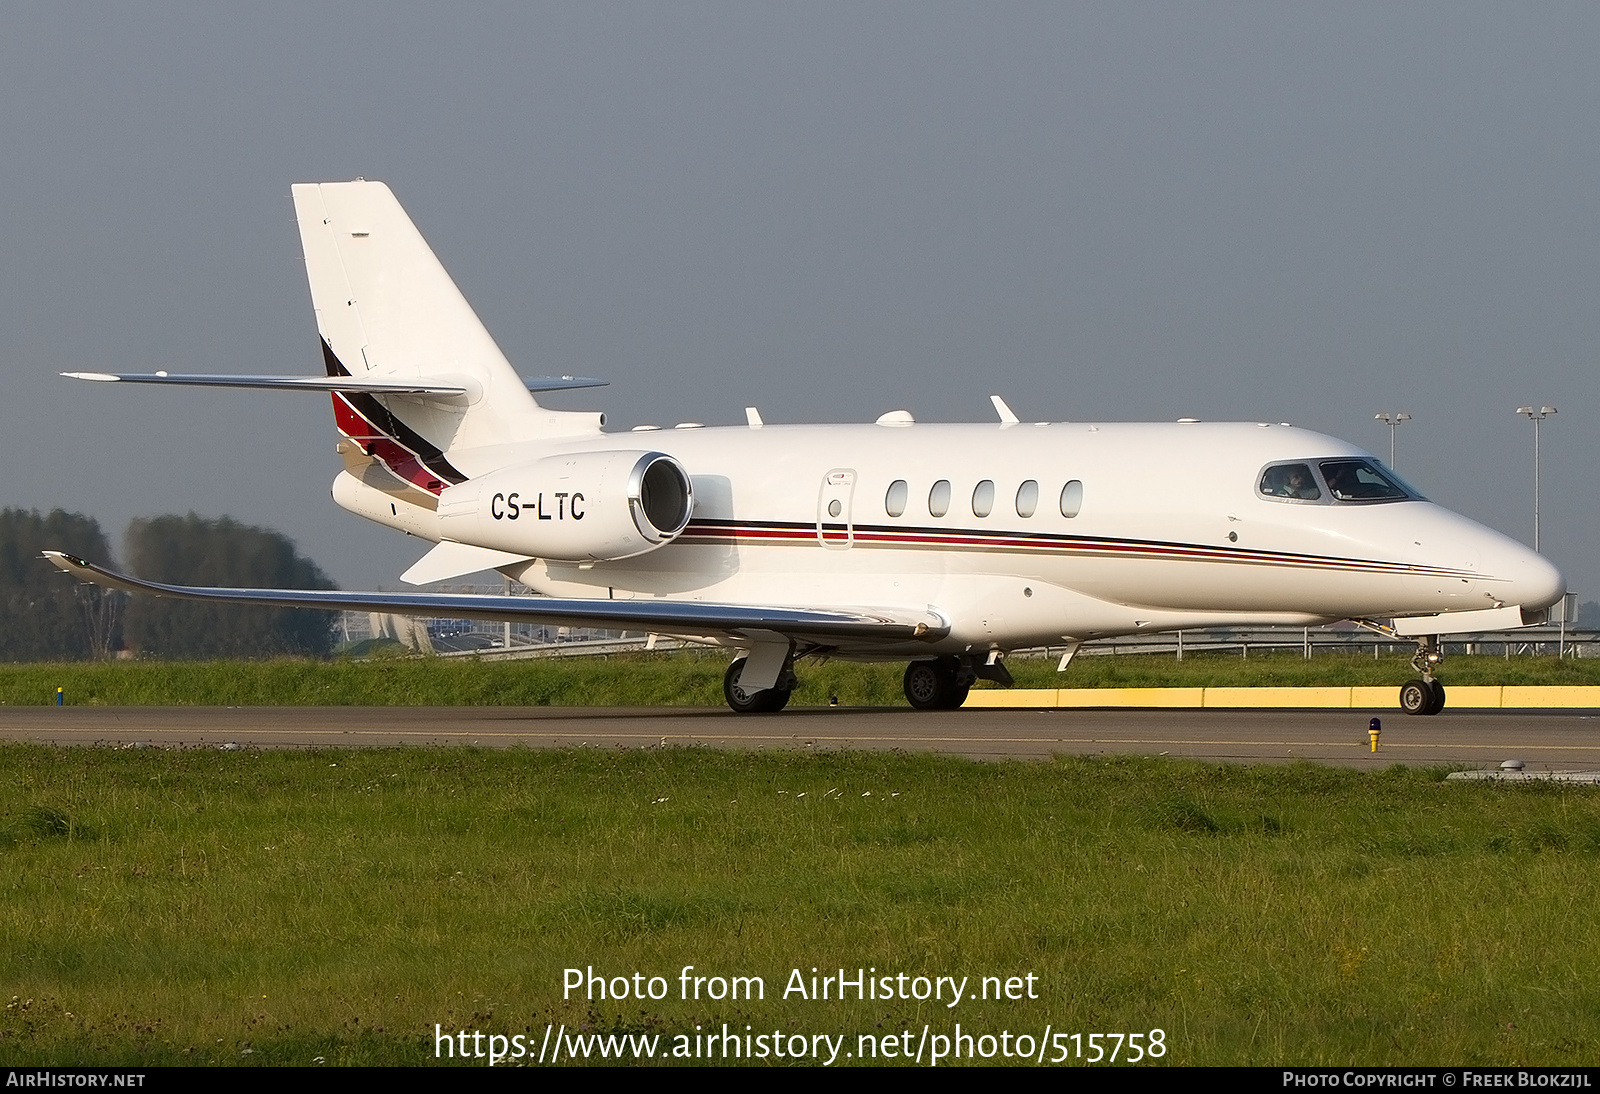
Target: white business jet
(946, 546)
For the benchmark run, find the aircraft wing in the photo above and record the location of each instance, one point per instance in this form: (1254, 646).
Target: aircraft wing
(684, 618)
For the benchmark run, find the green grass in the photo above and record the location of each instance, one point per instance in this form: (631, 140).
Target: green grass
(683, 679)
(243, 907)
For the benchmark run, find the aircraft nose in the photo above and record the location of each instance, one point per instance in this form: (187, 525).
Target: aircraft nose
(1535, 581)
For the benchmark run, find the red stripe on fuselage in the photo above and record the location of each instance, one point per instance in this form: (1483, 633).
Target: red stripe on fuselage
(401, 462)
(795, 535)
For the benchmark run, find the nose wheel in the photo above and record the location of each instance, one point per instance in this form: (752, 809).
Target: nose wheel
(1426, 695)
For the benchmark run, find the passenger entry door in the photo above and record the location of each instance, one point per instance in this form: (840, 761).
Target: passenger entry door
(835, 529)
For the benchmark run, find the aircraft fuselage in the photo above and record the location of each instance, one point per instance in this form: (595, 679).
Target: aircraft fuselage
(1166, 527)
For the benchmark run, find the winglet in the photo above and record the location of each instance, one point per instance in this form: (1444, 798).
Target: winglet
(63, 561)
(1007, 416)
(752, 417)
(84, 570)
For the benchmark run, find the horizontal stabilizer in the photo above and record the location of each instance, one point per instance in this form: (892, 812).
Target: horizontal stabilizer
(560, 383)
(279, 383)
(327, 383)
(683, 618)
(448, 560)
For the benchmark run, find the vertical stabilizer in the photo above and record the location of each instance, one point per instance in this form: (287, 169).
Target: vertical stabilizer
(387, 309)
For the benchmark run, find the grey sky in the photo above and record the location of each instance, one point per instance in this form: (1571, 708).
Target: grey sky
(1301, 213)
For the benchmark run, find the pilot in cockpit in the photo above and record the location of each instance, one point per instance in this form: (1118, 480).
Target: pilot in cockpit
(1298, 483)
(1291, 481)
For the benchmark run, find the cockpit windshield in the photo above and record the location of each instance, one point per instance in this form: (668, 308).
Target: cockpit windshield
(1340, 480)
(1360, 480)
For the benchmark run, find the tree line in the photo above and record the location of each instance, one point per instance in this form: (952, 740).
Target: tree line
(46, 615)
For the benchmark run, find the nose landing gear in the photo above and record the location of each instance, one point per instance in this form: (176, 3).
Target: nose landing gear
(1424, 696)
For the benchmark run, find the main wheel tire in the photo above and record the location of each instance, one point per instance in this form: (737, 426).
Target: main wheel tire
(1416, 697)
(740, 701)
(931, 685)
(926, 686)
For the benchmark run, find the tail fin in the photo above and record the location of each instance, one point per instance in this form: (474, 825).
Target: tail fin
(387, 310)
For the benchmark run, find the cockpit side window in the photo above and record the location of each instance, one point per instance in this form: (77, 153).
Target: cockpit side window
(1362, 480)
(1290, 480)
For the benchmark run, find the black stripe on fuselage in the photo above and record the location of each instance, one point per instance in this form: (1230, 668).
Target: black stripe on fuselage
(381, 419)
(929, 537)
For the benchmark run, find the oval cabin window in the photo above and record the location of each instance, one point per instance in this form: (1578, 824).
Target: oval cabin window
(939, 498)
(894, 502)
(1071, 498)
(983, 498)
(1027, 498)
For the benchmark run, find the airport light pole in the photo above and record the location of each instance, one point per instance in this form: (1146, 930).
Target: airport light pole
(1536, 416)
(1392, 420)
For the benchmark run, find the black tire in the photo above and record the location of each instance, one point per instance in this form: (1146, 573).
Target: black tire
(1437, 703)
(926, 686)
(1416, 697)
(768, 701)
(931, 685)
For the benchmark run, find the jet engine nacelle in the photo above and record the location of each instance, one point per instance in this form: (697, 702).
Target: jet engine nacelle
(581, 507)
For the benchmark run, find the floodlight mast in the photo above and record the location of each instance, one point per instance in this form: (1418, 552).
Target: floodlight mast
(1392, 419)
(1536, 416)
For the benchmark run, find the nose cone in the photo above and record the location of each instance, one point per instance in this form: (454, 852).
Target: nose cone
(1535, 582)
(1507, 571)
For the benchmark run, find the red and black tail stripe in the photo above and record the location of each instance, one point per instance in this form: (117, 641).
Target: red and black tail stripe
(408, 455)
(801, 534)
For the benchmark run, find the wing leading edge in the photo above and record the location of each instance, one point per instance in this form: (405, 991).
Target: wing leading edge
(688, 619)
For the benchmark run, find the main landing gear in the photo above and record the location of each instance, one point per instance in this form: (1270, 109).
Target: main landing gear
(767, 701)
(938, 684)
(1425, 695)
(941, 684)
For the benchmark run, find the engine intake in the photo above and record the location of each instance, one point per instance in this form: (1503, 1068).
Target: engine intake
(660, 495)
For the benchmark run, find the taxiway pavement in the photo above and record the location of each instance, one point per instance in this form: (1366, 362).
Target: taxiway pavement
(1544, 740)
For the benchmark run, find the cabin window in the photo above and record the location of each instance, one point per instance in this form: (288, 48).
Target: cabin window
(894, 502)
(1290, 480)
(983, 498)
(939, 498)
(1027, 498)
(1071, 498)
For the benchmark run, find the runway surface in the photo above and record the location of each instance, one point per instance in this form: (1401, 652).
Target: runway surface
(1544, 740)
